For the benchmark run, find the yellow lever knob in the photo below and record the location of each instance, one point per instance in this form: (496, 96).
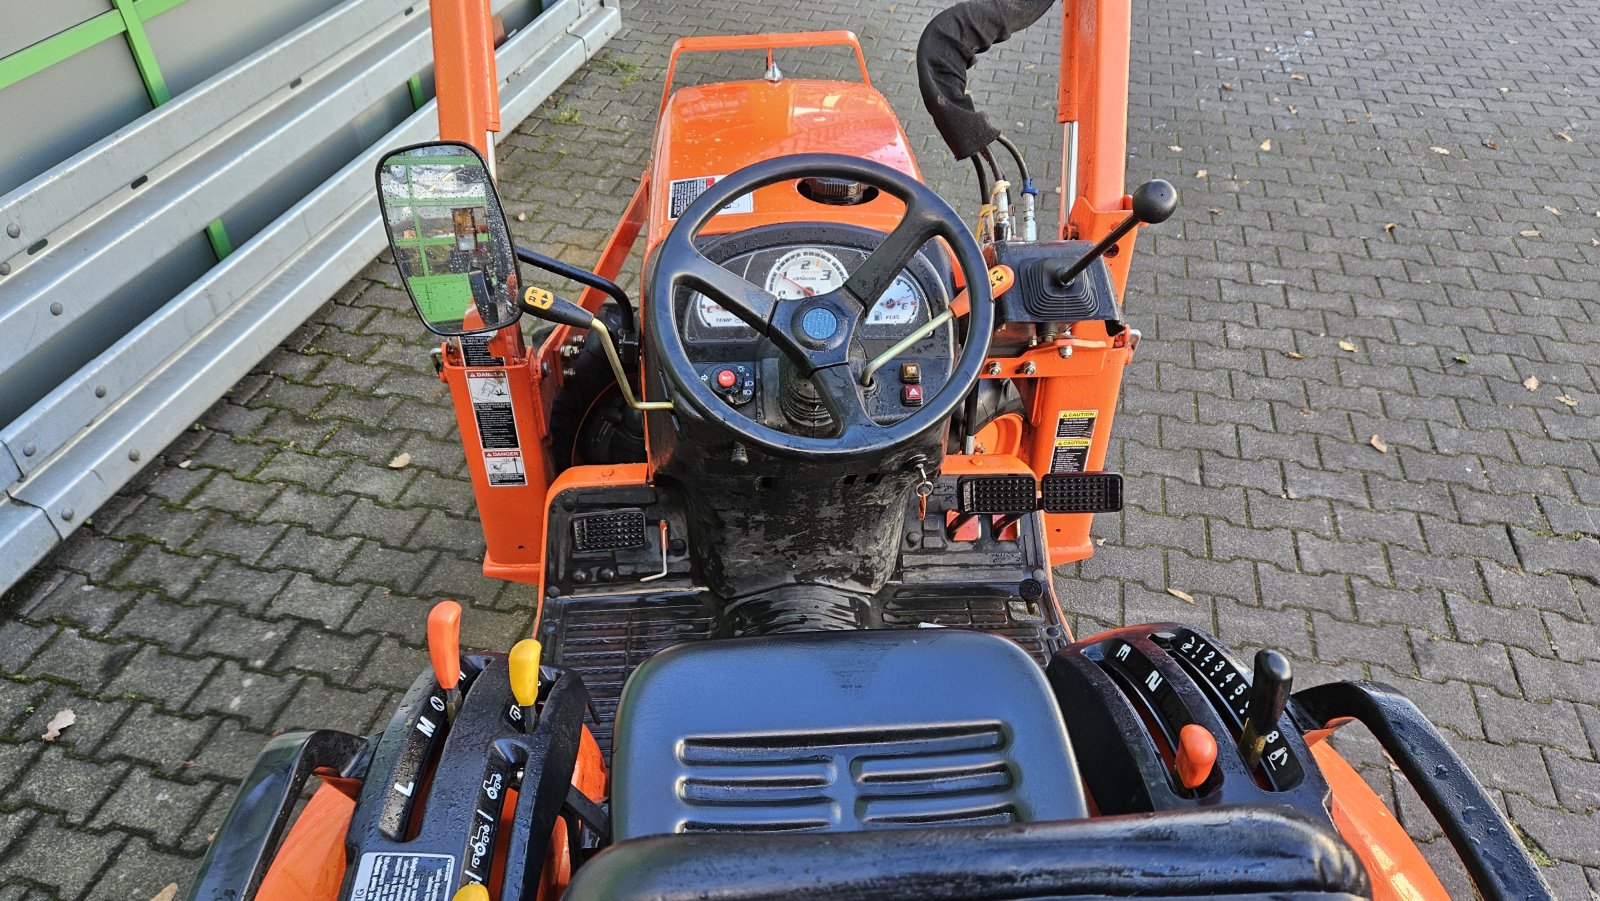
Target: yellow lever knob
(524, 665)
(472, 891)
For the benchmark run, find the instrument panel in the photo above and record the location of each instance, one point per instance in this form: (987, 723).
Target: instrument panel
(792, 262)
(790, 273)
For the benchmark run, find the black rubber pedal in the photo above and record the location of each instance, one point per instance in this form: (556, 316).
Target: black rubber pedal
(997, 494)
(1081, 492)
(611, 530)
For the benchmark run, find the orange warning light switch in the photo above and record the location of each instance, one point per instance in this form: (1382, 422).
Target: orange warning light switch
(1197, 754)
(444, 643)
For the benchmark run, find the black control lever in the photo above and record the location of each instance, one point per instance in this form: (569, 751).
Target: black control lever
(1269, 695)
(1153, 202)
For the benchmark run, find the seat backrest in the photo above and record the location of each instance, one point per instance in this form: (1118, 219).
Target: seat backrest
(840, 731)
(1218, 853)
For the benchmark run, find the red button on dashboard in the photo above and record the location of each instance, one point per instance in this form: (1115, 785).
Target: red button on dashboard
(726, 378)
(911, 395)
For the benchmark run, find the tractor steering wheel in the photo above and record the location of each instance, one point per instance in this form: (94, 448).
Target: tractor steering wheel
(816, 332)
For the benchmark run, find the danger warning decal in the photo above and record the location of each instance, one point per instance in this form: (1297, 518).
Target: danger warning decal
(475, 351)
(403, 877)
(1074, 434)
(497, 427)
(685, 191)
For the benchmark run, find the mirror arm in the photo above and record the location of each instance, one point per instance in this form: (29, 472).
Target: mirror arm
(583, 277)
(599, 328)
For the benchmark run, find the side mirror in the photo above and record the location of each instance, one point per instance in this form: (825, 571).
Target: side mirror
(450, 238)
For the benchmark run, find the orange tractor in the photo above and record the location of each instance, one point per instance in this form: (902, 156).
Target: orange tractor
(792, 520)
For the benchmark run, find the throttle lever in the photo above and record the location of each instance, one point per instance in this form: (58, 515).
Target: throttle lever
(1154, 202)
(1269, 695)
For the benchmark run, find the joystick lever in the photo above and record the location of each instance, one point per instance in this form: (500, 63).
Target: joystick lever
(1153, 202)
(444, 651)
(1269, 694)
(524, 666)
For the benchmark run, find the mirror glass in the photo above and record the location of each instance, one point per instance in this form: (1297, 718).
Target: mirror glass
(449, 238)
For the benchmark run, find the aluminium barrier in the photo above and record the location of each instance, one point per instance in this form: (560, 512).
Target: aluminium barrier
(125, 308)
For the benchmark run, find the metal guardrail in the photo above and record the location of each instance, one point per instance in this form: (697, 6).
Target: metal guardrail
(92, 235)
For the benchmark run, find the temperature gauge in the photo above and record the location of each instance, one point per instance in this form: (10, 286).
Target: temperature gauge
(713, 315)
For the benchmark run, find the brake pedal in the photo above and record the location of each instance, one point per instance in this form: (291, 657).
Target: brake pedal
(999, 494)
(1082, 492)
(609, 530)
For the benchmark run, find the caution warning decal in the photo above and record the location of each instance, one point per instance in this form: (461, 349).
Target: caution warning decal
(490, 391)
(1074, 435)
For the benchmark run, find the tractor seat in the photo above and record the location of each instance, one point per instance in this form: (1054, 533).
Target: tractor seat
(1236, 853)
(839, 732)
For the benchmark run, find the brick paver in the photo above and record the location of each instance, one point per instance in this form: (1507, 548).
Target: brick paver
(1415, 179)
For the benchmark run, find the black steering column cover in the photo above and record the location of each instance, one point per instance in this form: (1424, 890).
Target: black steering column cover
(948, 48)
(839, 731)
(1217, 853)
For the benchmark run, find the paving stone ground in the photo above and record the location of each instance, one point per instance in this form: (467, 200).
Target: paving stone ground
(1416, 180)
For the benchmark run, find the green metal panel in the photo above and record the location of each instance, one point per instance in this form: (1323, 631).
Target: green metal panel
(36, 58)
(441, 297)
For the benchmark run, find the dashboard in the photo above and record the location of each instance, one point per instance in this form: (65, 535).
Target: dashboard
(794, 261)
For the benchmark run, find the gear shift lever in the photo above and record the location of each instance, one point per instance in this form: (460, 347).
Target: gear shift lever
(444, 651)
(524, 674)
(1269, 694)
(1153, 202)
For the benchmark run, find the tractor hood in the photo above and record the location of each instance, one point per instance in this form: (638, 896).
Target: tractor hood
(709, 131)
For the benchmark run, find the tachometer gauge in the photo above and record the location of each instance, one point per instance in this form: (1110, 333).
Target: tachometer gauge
(713, 315)
(804, 273)
(898, 305)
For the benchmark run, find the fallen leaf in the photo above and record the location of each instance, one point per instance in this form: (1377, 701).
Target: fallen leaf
(1227, 86)
(522, 217)
(1289, 495)
(1492, 145)
(1390, 227)
(1564, 136)
(1201, 173)
(1183, 596)
(1505, 90)
(62, 719)
(1551, 210)
(1293, 355)
(1529, 233)
(166, 894)
(1294, 111)
(1531, 383)
(1346, 345)
(1175, 148)
(1567, 399)
(1099, 542)
(1461, 358)
(1214, 211)
(1511, 40)
(1440, 150)
(1298, 77)
(400, 462)
(1267, 144)
(185, 464)
(1379, 445)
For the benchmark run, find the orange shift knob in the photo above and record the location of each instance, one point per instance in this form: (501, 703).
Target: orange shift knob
(1197, 754)
(444, 643)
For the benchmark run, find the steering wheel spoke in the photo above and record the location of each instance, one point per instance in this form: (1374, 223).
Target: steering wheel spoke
(750, 303)
(878, 271)
(836, 387)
